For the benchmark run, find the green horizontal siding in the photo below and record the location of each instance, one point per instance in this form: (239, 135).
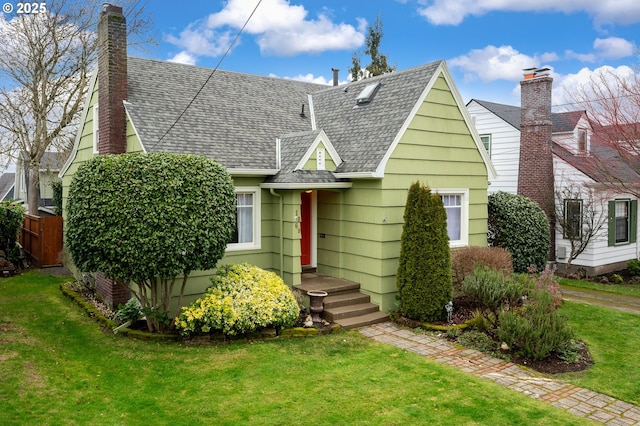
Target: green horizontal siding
(362, 226)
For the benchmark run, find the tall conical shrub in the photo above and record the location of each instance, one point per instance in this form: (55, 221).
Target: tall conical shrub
(424, 271)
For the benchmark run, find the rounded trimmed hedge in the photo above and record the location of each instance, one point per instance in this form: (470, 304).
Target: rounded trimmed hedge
(136, 217)
(519, 225)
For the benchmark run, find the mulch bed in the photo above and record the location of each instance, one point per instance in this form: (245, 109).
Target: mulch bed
(550, 365)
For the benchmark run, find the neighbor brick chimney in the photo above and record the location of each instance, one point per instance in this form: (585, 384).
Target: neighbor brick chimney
(112, 123)
(535, 174)
(112, 80)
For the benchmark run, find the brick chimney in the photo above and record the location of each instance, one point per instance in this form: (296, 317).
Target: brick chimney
(112, 80)
(535, 174)
(112, 123)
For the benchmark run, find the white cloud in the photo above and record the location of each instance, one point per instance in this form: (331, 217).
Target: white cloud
(453, 12)
(497, 63)
(280, 28)
(308, 78)
(184, 58)
(582, 57)
(565, 87)
(613, 48)
(198, 40)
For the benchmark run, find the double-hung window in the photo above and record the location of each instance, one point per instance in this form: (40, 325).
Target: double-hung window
(572, 227)
(486, 141)
(456, 205)
(582, 141)
(246, 235)
(623, 216)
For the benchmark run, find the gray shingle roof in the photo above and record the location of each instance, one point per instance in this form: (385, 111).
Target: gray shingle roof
(7, 180)
(604, 164)
(237, 117)
(363, 134)
(292, 149)
(562, 121)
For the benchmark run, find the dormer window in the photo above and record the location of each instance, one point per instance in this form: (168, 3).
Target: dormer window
(367, 93)
(582, 141)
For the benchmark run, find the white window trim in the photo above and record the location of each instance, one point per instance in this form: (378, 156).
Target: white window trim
(96, 128)
(256, 244)
(464, 220)
(487, 135)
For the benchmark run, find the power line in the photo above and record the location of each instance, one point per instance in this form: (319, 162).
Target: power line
(210, 76)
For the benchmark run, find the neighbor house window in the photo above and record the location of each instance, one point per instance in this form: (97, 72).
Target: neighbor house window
(456, 205)
(246, 235)
(572, 228)
(582, 140)
(96, 129)
(486, 141)
(622, 221)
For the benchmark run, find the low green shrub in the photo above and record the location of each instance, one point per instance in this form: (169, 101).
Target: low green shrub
(242, 298)
(130, 311)
(616, 279)
(548, 282)
(569, 352)
(11, 219)
(493, 290)
(536, 329)
(478, 340)
(634, 267)
(465, 259)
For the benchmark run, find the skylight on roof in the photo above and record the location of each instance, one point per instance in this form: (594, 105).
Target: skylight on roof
(367, 93)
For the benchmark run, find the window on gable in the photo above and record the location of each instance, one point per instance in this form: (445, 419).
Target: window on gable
(622, 221)
(582, 140)
(572, 228)
(96, 129)
(246, 235)
(456, 206)
(486, 141)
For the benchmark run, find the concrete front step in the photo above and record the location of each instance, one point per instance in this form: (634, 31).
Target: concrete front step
(341, 312)
(361, 321)
(329, 284)
(345, 299)
(345, 304)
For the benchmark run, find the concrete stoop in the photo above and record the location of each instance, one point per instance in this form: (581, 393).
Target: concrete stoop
(345, 304)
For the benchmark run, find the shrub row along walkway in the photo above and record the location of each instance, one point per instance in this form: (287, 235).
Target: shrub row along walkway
(579, 401)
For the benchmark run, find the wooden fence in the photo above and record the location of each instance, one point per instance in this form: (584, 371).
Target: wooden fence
(41, 238)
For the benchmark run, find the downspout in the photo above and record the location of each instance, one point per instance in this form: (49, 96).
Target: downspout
(273, 192)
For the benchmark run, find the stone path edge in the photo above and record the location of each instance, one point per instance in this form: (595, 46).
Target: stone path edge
(579, 401)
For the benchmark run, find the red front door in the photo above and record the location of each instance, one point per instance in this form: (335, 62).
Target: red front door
(305, 229)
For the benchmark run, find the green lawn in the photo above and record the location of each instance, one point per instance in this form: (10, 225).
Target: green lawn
(624, 289)
(613, 338)
(58, 368)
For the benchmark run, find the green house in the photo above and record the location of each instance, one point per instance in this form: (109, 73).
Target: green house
(321, 172)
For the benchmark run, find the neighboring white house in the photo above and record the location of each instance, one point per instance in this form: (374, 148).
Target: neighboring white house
(576, 155)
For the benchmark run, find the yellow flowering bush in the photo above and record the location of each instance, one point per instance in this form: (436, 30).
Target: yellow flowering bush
(242, 298)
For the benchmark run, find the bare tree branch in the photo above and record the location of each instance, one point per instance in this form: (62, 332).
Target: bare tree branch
(612, 102)
(45, 62)
(580, 215)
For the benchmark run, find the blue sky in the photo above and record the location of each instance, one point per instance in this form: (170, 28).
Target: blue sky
(486, 43)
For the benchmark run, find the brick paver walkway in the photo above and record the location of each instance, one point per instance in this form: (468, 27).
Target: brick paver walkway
(579, 401)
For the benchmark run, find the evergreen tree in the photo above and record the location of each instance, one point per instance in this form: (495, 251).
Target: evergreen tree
(379, 64)
(424, 271)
